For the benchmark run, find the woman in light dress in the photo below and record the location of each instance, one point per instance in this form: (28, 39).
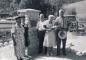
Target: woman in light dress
(50, 39)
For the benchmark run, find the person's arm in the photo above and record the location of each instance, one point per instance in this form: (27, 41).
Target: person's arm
(37, 26)
(55, 24)
(13, 38)
(13, 32)
(46, 28)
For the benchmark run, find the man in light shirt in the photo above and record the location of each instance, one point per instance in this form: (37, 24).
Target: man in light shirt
(41, 32)
(61, 33)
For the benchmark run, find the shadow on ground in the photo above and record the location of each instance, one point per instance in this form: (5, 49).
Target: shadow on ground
(71, 55)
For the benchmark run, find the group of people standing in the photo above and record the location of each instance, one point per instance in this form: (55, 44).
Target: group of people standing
(51, 33)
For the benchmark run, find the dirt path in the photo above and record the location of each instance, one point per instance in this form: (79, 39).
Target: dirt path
(76, 46)
(7, 53)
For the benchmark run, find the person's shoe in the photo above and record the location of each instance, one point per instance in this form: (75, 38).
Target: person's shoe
(45, 50)
(48, 54)
(58, 54)
(64, 54)
(27, 58)
(51, 54)
(39, 52)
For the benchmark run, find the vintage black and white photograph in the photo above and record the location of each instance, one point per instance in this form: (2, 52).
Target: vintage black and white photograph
(42, 29)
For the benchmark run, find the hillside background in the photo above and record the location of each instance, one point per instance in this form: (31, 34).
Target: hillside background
(46, 6)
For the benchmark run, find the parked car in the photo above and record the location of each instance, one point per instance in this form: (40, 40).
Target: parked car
(81, 28)
(70, 22)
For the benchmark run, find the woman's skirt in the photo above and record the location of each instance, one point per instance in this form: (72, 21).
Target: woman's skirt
(50, 39)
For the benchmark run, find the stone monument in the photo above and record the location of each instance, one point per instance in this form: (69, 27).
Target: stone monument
(31, 18)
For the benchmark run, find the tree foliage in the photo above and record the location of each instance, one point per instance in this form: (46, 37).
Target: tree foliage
(46, 6)
(5, 6)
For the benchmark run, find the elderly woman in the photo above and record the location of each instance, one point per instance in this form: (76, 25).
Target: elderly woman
(49, 40)
(18, 39)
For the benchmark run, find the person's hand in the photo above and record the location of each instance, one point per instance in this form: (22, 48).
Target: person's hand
(45, 26)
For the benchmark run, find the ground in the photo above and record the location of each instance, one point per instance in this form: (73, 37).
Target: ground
(75, 50)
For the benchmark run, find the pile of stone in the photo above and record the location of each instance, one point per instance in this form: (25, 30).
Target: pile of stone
(34, 43)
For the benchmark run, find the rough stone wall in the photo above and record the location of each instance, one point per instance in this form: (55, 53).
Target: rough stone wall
(33, 47)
